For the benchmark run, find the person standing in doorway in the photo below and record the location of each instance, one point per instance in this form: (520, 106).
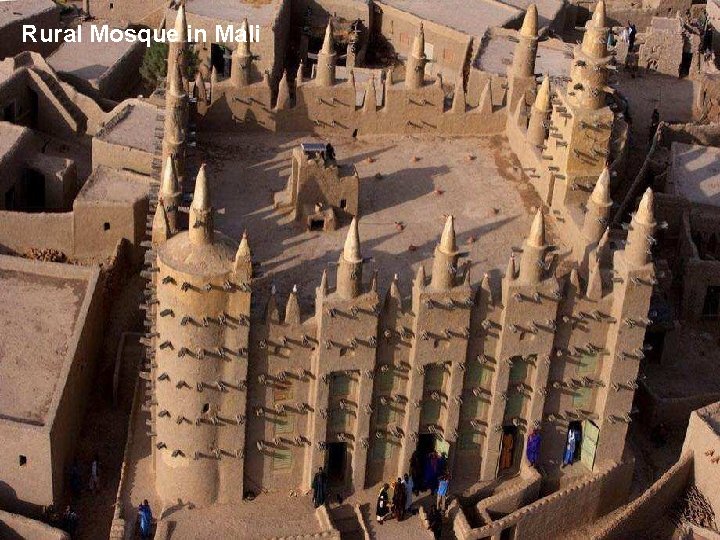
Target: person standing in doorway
(416, 472)
(569, 456)
(398, 500)
(383, 504)
(95, 473)
(319, 487)
(442, 492)
(533, 448)
(632, 34)
(409, 487)
(145, 520)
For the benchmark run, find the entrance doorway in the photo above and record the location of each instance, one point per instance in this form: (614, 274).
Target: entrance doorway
(711, 306)
(34, 190)
(573, 443)
(508, 445)
(336, 463)
(220, 59)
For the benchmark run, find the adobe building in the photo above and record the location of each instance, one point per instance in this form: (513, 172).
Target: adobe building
(41, 13)
(320, 192)
(46, 371)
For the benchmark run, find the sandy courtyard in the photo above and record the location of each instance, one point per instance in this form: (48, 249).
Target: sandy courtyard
(420, 181)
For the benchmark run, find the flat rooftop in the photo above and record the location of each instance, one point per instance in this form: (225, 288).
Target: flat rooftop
(469, 177)
(473, 18)
(262, 12)
(695, 173)
(11, 12)
(133, 124)
(40, 304)
(89, 60)
(553, 58)
(107, 186)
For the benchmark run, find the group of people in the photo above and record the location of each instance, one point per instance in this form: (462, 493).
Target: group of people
(399, 504)
(66, 521)
(426, 472)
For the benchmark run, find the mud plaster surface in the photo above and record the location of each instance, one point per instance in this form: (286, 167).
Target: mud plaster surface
(37, 317)
(491, 203)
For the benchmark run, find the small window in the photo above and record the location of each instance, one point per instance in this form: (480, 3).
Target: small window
(111, 5)
(23, 460)
(343, 203)
(343, 351)
(206, 408)
(106, 226)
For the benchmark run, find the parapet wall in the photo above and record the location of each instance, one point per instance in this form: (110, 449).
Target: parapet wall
(564, 510)
(16, 527)
(638, 516)
(21, 231)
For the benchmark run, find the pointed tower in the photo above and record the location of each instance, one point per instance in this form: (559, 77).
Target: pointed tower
(240, 75)
(283, 97)
(533, 256)
(458, 103)
(349, 272)
(160, 226)
(176, 117)
(170, 193)
(445, 260)
(523, 64)
(640, 235)
(201, 228)
(327, 59)
(242, 266)
(292, 308)
(589, 71)
(415, 67)
(370, 101)
(540, 115)
(598, 209)
(177, 48)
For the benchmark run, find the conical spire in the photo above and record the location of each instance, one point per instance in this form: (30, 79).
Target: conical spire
(299, 76)
(201, 196)
(537, 231)
(351, 250)
(169, 183)
(175, 84)
(370, 102)
(542, 100)
(595, 285)
(160, 225)
(292, 308)
(448, 243)
(511, 271)
(323, 288)
(418, 50)
(181, 24)
(283, 98)
(272, 314)
(601, 191)
(420, 277)
(351, 77)
(243, 251)
(458, 103)
(646, 211)
(200, 88)
(485, 289)
(394, 291)
(374, 281)
(598, 17)
(328, 46)
(530, 22)
(243, 48)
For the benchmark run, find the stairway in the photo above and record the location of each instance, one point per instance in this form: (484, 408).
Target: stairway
(345, 520)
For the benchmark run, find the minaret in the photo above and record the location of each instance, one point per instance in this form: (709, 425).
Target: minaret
(201, 228)
(415, 67)
(458, 103)
(525, 51)
(160, 226)
(588, 73)
(176, 115)
(242, 61)
(533, 255)
(598, 209)
(292, 308)
(540, 115)
(640, 235)
(242, 266)
(170, 193)
(349, 272)
(445, 259)
(176, 48)
(327, 58)
(283, 96)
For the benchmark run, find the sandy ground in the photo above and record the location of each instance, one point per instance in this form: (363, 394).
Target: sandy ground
(37, 316)
(491, 203)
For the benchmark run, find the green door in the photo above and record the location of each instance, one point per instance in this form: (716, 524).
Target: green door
(590, 436)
